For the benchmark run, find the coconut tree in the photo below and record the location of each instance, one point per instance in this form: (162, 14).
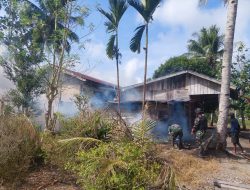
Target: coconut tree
(208, 44)
(46, 17)
(117, 9)
(226, 70)
(146, 9)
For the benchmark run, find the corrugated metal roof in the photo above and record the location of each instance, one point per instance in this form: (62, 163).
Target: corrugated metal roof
(84, 77)
(177, 74)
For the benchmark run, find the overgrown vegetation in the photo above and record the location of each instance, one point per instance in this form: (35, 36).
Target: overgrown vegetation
(116, 166)
(101, 152)
(19, 146)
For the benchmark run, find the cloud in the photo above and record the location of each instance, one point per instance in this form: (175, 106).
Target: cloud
(132, 71)
(187, 15)
(191, 18)
(95, 51)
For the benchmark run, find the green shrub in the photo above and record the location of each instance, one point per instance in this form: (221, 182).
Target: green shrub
(59, 151)
(94, 125)
(115, 166)
(19, 142)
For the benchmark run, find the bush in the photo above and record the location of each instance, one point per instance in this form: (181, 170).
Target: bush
(60, 151)
(18, 145)
(115, 166)
(109, 159)
(94, 125)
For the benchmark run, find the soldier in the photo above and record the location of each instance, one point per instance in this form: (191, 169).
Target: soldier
(199, 129)
(175, 131)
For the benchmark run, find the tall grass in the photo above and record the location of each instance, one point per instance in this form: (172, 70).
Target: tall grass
(19, 143)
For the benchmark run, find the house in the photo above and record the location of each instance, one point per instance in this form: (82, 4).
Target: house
(75, 83)
(173, 98)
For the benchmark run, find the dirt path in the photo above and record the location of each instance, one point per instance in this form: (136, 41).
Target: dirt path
(203, 171)
(47, 178)
(235, 168)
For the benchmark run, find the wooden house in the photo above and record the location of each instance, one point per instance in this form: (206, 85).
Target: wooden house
(175, 95)
(75, 83)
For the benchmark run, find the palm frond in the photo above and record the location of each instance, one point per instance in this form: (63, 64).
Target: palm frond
(135, 43)
(79, 143)
(195, 48)
(118, 8)
(109, 165)
(110, 50)
(72, 36)
(110, 26)
(139, 7)
(106, 14)
(151, 7)
(142, 128)
(79, 140)
(77, 19)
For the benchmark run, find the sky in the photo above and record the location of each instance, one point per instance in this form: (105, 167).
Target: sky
(173, 24)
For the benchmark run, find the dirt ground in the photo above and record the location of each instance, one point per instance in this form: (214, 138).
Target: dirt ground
(227, 167)
(236, 168)
(47, 178)
(230, 168)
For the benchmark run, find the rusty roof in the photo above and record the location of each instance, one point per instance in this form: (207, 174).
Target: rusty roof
(84, 77)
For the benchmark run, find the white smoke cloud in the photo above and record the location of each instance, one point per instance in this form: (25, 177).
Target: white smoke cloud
(5, 84)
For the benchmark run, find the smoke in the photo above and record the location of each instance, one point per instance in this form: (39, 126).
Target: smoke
(68, 109)
(131, 95)
(100, 99)
(177, 115)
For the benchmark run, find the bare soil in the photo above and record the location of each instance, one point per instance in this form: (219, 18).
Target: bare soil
(47, 178)
(221, 166)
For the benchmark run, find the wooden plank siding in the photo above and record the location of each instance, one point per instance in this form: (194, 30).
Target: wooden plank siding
(178, 87)
(199, 86)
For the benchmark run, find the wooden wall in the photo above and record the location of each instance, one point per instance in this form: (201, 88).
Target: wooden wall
(174, 88)
(198, 86)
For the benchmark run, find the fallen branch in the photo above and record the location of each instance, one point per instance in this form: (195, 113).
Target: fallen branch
(229, 186)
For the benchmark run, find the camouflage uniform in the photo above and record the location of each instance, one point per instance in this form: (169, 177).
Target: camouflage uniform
(175, 131)
(201, 134)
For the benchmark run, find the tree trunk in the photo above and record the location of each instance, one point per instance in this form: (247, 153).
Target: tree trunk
(145, 72)
(118, 77)
(48, 115)
(226, 73)
(243, 121)
(212, 119)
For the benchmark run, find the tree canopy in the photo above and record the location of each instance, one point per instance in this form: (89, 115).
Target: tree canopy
(182, 63)
(208, 44)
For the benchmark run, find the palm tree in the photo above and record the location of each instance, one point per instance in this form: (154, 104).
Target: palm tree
(146, 9)
(208, 44)
(226, 70)
(117, 9)
(46, 18)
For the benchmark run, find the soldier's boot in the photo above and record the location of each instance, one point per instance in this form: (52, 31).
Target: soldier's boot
(202, 152)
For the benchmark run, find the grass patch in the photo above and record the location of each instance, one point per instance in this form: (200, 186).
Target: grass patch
(190, 171)
(248, 124)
